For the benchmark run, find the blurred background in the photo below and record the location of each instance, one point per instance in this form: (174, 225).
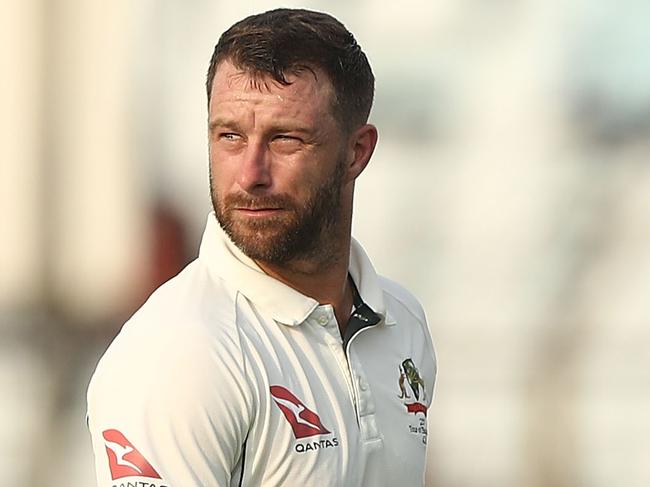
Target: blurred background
(510, 192)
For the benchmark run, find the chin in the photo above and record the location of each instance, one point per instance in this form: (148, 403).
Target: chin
(256, 243)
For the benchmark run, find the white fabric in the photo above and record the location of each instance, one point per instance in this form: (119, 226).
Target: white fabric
(188, 382)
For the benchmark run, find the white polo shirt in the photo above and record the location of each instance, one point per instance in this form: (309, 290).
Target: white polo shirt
(227, 377)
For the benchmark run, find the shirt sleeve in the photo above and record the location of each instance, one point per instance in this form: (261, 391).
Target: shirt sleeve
(173, 411)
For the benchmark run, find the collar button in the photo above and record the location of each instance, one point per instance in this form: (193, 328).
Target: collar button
(363, 384)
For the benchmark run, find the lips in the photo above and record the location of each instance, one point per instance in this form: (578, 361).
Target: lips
(257, 211)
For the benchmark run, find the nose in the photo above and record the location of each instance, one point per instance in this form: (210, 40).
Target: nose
(255, 171)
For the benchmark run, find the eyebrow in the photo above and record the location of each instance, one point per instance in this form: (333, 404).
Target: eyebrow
(280, 126)
(222, 122)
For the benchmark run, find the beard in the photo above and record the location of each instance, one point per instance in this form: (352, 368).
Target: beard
(302, 230)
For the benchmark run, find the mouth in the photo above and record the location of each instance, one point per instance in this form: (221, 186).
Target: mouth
(258, 212)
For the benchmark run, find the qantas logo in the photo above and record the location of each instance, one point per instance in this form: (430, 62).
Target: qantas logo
(123, 458)
(303, 421)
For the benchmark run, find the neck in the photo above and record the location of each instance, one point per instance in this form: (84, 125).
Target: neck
(325, 280)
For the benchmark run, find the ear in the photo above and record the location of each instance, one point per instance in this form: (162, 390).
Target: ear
(362, 144)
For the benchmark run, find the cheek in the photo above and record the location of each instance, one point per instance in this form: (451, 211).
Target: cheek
(294, 178)
(223, 171)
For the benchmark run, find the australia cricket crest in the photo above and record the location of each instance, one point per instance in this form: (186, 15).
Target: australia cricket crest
(413, 394)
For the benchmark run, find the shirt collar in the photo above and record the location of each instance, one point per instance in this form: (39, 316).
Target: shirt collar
(284, 304)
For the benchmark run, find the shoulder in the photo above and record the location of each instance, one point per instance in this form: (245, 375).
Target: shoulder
(191, 308)
(403, 307)
(175, 384)
(400, 300)
(182, 341)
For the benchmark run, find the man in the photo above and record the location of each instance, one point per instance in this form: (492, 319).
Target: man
(278, 357)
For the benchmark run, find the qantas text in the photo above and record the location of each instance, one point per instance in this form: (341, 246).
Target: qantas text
(316, 445)
(138, 484)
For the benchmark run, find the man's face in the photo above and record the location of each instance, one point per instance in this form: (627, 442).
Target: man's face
(276, 163)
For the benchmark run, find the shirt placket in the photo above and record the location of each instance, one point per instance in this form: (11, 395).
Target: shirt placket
(361, 320)
(359, 390)
(365, 405)
(323, 316)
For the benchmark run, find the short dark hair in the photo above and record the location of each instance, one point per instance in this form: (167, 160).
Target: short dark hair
(283, 41)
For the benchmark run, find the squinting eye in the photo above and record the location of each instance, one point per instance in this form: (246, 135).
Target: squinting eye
(286, 140)
(229, 136)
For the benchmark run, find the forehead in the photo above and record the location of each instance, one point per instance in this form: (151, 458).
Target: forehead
(308, 87)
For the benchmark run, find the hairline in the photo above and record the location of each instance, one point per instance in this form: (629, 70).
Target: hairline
(336, 109)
